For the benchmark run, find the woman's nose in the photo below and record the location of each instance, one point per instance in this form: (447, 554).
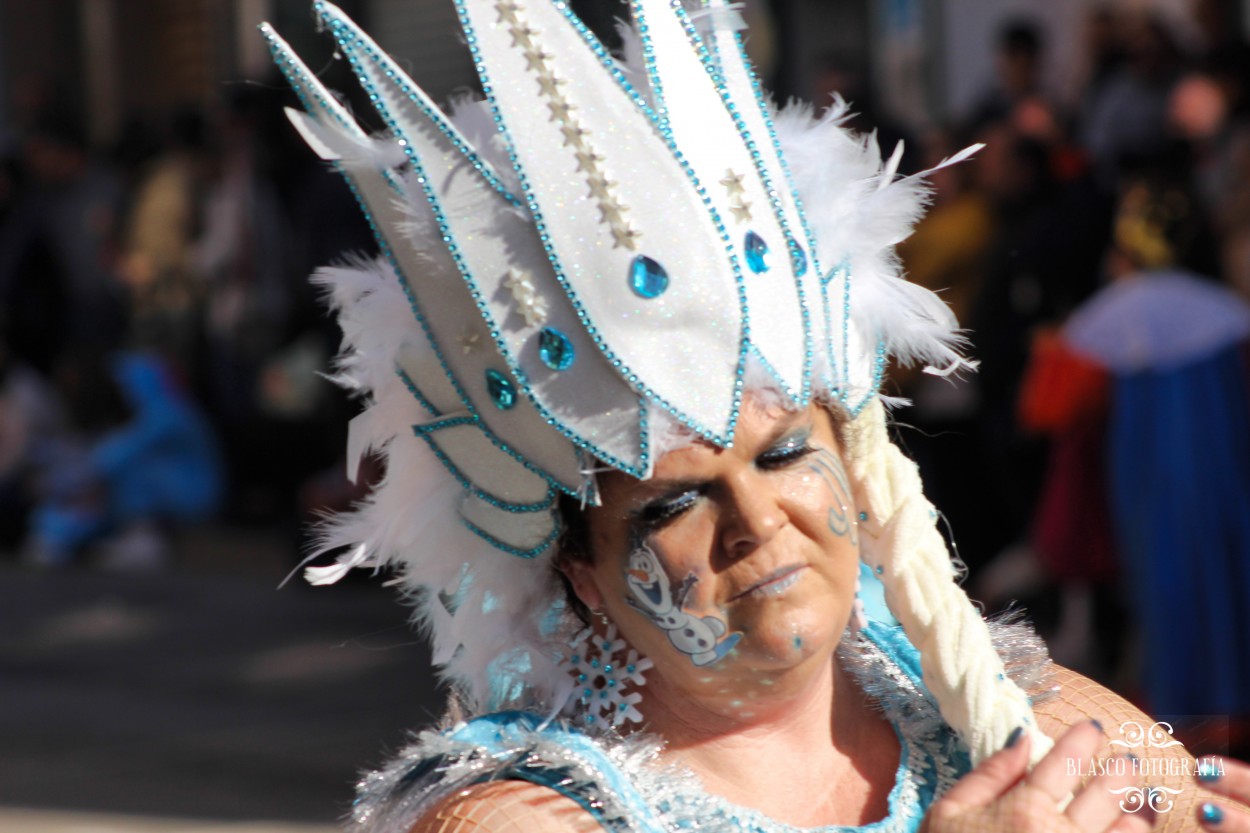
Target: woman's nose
(753, 515)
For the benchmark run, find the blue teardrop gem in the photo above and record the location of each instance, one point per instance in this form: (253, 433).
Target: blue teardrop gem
(555, 349)
(757, 253)
(648, 278)
(800, 261)
(502, 391)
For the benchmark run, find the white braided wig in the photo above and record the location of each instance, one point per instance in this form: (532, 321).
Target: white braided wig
(498, 619)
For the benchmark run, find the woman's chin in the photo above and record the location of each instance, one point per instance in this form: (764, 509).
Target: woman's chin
(779, 643)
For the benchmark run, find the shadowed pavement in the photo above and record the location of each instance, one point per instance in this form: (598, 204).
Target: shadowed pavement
(192, 694)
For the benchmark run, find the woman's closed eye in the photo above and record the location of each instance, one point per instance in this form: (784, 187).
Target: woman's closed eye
(658, 512)
(788, 451)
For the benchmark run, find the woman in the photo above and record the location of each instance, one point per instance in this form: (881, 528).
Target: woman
(622, 355)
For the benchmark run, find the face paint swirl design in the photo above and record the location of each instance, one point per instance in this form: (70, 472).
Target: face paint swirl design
(828, 466)
(704, 639)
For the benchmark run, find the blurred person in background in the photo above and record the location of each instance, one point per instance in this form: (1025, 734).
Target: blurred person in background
(1219, 23)
(161, 235)
(139, 460)
(1019, 60)
(31, 421)
(243, 254)
(1103, 54)
(1210, 112)
(1127, 117)
(58, 282)
(1146, 392)
(1042, 260)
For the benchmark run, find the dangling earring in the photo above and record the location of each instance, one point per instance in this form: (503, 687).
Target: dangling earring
(859, 619)
(599, 678)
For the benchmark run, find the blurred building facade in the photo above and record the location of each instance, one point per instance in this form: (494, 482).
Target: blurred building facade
(920, 61)
(113, 62)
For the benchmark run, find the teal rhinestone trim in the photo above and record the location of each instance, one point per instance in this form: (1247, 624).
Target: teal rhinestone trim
(798, 258)
(878, 373)
(490, 435)
(609, 64)
(762, 103)
(532, 552)
(421, 398)
(296, 73)
(426, 432)
(292, 65)
(399, 77)
(352, 49)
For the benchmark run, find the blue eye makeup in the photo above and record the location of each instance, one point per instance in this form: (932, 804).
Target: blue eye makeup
(787, 450)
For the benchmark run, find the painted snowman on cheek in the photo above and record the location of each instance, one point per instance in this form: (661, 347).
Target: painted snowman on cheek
(702, 638)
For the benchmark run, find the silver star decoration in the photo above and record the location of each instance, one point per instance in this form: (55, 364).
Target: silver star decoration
(529, 303)
(537, 59)
(588, 161)
(612, 212)
(507, 11)
(624, 235)
(533, 308)
(560, 109)
(523, 35)
(549, 84)
(469, 341)
(575, 135)
(519, 283)
(742, 210)
(733, 183)
(601, 187)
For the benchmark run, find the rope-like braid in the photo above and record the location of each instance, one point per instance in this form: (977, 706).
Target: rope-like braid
(900, 542)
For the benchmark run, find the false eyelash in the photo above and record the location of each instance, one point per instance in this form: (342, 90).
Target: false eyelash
(660, 512)
(790, 452)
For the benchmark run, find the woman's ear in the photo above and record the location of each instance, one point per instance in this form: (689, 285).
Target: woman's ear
(582, 576)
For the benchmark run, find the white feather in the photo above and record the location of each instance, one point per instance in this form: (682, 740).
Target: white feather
(859, 211)
(472, 117)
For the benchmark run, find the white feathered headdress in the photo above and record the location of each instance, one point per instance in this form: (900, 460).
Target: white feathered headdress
(599, 257)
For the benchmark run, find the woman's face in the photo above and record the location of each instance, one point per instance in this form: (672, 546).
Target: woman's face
(730, 564)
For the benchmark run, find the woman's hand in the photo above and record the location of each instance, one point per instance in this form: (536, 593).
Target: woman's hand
(1002, 795)
(1228, 778)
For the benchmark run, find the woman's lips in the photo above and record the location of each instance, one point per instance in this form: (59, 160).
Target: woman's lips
(773, 584)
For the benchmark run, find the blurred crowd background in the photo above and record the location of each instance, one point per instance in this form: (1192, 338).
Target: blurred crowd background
(160, 343)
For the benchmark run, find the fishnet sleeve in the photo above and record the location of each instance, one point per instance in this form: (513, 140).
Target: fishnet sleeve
(507, 807)
(1080, 698)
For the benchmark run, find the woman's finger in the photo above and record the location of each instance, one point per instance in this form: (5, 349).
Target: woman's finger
(993, 776)
(1226, 777)
(1108, 797)
(1054, 774)
(1142, 821)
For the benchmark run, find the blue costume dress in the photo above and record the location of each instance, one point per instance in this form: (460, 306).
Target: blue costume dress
(1178, 460)
(626, 785)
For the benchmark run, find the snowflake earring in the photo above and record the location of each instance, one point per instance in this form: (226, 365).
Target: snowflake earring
(599, 678)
